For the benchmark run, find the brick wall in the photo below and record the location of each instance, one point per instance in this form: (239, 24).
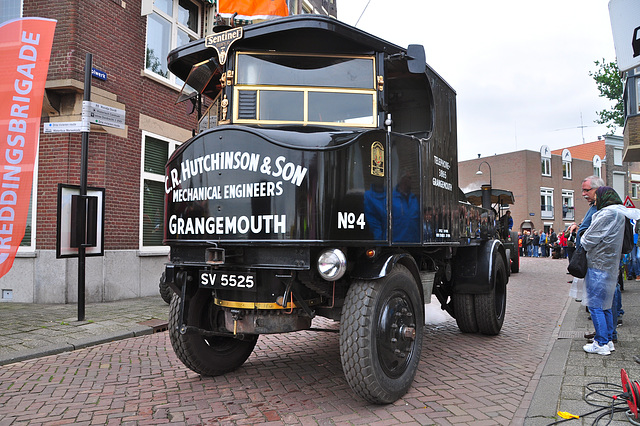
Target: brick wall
(520, 173)
(114, 32)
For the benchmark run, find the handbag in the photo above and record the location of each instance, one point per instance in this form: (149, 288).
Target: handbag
(578, 265)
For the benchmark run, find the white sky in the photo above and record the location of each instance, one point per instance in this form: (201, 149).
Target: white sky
(520, 69)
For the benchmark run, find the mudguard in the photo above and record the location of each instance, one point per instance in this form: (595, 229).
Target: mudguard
(474, 267)
(382, 265)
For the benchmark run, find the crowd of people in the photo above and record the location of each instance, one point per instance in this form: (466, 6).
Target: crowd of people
(544, 244)
(600, 234)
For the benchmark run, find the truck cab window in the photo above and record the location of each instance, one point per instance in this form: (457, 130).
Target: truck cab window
(291, 88)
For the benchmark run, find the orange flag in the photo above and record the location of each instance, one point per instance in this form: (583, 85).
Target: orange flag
(25, 48)
(253, 9)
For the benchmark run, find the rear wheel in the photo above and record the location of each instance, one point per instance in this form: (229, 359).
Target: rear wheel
(491, 307)
(465, 312)
(381, 336)
(515, 263)
(209, 356)
(515, 254)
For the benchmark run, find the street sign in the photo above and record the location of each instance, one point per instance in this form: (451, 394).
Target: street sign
(103, 115)
(66, 127)
(100, 75)
(625, 26)
(628, 203)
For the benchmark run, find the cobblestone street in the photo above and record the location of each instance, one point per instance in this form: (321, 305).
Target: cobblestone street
(297, 378)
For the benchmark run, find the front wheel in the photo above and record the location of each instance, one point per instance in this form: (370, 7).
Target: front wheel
(209, 356)
(165, 291)
(381, 336)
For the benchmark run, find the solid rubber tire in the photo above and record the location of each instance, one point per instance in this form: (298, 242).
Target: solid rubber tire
(515, 262)
(515, 254)
(208, 356)
(165, 291)
(365, 369)
(491, 307)
(465, 312)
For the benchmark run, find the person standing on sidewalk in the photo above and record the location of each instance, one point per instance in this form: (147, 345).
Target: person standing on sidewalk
(536, 243)
(603, 243)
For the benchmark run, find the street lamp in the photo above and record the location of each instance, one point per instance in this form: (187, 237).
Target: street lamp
(479, 172)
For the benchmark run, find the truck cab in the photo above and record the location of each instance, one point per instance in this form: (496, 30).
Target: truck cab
(322, 181)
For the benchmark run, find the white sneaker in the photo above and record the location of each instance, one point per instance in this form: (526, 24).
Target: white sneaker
(595, 348)
(611, 347)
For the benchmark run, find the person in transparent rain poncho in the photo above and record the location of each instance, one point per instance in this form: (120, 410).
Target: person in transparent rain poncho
(603, 243)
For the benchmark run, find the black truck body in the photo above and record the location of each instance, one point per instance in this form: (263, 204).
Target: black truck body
(322, 181)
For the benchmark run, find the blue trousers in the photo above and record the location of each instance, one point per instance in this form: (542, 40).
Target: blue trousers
(603, 323)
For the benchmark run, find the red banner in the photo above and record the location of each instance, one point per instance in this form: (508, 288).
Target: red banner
(25, 48)
(253, 9)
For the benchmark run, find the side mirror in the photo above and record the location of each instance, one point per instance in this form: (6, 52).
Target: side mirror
(416, 59)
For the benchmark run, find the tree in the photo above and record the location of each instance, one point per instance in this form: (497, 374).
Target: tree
(609, 82)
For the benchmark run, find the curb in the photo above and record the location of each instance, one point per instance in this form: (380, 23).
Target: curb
(28, 354)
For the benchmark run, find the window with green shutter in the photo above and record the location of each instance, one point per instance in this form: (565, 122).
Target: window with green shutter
(155, 154)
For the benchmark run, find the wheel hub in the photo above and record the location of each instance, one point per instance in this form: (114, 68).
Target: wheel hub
(396, 334)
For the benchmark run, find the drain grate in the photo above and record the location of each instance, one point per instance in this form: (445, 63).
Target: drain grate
(157, 325)
(570, 334)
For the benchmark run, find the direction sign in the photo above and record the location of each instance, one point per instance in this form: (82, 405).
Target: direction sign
(66, 127)
(628, 203)
(103, 115)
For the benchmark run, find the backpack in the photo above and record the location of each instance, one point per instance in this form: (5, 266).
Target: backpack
(627, 241)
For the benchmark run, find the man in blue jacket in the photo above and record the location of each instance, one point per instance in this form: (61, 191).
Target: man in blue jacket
(589, 186)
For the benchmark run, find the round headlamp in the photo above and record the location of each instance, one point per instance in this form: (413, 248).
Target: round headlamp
(332, 264)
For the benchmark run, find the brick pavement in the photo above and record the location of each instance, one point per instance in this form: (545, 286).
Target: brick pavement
(297, 379)
(31, 330)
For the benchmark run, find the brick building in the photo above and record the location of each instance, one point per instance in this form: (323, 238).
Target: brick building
(632, 115)
(129, 41)
(547, 184)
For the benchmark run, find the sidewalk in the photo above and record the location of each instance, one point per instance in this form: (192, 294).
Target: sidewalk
(568, 369)
(33, 330)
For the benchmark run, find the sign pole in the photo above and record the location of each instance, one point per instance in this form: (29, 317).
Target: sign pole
(83, 192)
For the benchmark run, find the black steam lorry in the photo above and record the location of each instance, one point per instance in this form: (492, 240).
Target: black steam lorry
(322, 181)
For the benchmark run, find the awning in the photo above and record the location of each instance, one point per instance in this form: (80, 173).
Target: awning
(501, 196)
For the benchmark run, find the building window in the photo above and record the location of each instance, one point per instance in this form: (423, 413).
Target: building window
(155, 153)
(568, 211)
(546, 203)
(617, 157)
(634, 190)
(10, 9)
(566, 169)
(172, 23)
(546, 166)
(637, 103)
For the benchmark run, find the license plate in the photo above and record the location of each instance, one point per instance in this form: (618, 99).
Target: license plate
(228, 280)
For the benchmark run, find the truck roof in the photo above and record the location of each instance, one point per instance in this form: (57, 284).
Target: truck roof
(298, 33)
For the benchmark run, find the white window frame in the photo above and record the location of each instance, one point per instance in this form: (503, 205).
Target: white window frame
(546, 192)
(566, 169)
(568, 195)
(634, 190)
(31, 248)
(13, 4)
(173, 42)
(545, 166)
(173, 144)
(617, 157)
